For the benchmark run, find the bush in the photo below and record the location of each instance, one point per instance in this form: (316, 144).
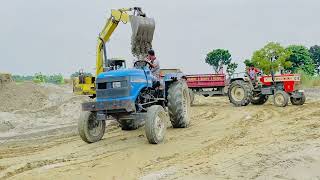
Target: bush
(308, 80)
(76, 74)
(19, 78)
(55, 79)
(40, 78)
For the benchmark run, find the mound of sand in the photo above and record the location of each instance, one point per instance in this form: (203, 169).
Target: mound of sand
(30, 108)
(25, 96)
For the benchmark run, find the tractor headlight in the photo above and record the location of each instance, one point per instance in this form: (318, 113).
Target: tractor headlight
(116, 84)
(119, 84)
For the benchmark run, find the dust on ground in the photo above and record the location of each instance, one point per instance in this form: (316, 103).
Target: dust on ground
(223, 142)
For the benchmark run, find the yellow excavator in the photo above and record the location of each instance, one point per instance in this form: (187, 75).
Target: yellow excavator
(141, 39)
(83, 84)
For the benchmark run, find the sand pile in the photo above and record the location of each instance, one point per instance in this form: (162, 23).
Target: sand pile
(26, 96)
(30, 108)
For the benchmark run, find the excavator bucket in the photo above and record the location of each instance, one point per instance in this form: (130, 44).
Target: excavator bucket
(142, 35)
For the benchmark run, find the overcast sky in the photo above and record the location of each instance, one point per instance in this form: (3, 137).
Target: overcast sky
(59, 36)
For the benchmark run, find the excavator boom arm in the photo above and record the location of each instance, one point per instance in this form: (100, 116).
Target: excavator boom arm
(142, 33)
(143, 29)
(112, 23)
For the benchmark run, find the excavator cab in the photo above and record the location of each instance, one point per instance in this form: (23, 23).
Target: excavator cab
(115, 64)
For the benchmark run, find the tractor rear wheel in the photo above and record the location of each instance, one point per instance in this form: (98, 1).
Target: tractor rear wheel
(90, 129)
(155, 125)
(280, 98)
(298, 101)
(179, 104)
(259, 100)
(239, 93)
(191, 93)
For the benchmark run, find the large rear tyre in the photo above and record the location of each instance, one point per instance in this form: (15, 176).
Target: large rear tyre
(191, 93)
(239, 93)
(179, 104)
(155, 125)
(90, 129)
(298, 101)
(281, 98)
(259, 100)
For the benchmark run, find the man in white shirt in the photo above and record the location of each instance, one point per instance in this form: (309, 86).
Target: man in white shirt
(155, 65)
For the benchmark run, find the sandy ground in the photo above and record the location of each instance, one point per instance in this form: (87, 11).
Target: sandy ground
(223, 142)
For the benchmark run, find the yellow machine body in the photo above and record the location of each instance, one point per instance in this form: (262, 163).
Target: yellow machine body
(84, 85)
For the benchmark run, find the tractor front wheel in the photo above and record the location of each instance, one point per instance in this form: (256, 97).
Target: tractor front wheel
(155, 125)
(90, 129)
(239, 93)
(281, 98)
(298, 101)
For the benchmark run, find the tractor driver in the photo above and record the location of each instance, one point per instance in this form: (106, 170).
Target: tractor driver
(154, 63)
(253, 71)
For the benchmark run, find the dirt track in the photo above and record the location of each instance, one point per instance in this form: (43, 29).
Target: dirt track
(223, 142)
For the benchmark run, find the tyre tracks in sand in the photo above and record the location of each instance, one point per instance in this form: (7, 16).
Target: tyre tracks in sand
(222, 142)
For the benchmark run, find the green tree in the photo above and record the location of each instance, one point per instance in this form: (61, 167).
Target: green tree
(272, 57)
(300, 58)
(231, 68)
(218, 58)
(76, 74)
(248, 62)
(19, 78)
(39, 78)
(315, 55)
(55, 79)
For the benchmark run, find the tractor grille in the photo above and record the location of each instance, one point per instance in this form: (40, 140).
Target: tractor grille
(113, 87)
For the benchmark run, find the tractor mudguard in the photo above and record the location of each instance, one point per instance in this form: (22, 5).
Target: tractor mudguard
(169, 78)
(173, 76)
(297, 94)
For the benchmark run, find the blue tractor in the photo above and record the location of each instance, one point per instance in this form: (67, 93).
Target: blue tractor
(135, 98)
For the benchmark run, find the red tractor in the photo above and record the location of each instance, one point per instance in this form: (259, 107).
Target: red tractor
(245, 90)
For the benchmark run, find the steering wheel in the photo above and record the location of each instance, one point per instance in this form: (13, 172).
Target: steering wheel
(142, 63)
